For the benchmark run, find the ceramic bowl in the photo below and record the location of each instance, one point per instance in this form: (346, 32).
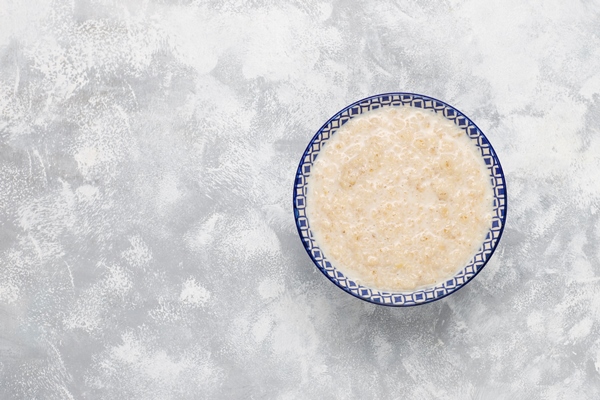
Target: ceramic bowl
(425, 294)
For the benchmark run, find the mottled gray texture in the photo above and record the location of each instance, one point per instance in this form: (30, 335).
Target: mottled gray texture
(147, 243)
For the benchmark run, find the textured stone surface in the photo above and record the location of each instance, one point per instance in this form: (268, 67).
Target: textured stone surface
(147, 244)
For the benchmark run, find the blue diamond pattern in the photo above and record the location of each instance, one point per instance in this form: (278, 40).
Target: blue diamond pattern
(496, 177)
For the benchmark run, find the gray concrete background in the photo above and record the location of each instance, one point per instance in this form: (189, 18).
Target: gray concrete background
(147, 243)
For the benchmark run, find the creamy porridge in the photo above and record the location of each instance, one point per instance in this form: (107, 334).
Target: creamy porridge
(399, 198)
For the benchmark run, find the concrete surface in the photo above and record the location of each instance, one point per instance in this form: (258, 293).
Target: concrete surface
(147, 243)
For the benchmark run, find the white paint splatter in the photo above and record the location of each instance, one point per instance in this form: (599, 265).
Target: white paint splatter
(180, 25)
(581, 329)
(138, 255)
(87, 193)
(198, 238)
(168, 192)
(535, 322)
(136, 364)
(86, 158)
(383, 350)
(89, 312)
(193, 294)
(270, 288)
(250, 236)
(9, 292)
(262, 327)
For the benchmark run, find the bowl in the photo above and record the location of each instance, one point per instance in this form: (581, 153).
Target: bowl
(420, 295)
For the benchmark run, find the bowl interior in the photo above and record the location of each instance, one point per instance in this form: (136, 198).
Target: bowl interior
(421, 295)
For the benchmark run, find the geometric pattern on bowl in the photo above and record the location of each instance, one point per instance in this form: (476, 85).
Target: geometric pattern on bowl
(421, 295)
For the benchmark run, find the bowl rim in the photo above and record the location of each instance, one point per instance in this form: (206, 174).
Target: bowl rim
(502, 218)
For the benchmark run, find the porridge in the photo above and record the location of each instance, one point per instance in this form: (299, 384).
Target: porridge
(399, 198)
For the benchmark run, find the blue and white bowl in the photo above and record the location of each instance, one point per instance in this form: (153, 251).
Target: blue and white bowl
(420, 295)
